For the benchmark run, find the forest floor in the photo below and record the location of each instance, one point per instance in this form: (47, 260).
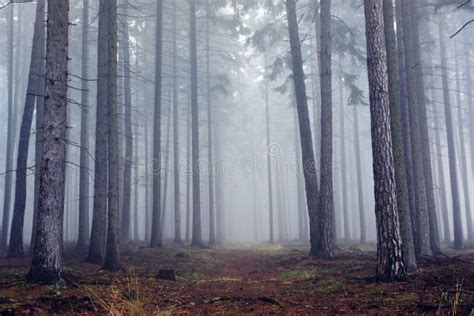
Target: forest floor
(242, 279)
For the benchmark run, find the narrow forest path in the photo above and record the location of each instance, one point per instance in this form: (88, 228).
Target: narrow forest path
(241, 279)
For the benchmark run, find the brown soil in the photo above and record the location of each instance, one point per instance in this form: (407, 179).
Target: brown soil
(243, 279)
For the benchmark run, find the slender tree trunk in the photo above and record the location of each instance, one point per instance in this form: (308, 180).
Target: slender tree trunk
(458, 233)
(419, 23)
(34, 89)
(10, 137)
(46, 264)
(166, 169)
(360, 188)
(112, 254)
(136, 235)
(210, 145)
(188, 178)
(300, 198)
(462, 151)
(390, 265)
(127, 167)
(99, 217)
(326, 231)
(219, 191)
(156, 221)
(405, 121)
(177, 202)
(423, 244)
(196, 234)
(468, 65)
(408, 246)
(316, 63)
(441, 175)
(148, 216)
(84, 231)
(269, 154)
(317, 221)
(345, 211)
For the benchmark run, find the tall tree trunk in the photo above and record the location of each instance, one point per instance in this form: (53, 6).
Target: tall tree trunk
(127, 167)
(408, 246)
(462, 151)
(99, 217)
(405, 121)
(196, 234)
(177, 202)
(468, 65)
(300, 198)
(360, 187)
(112, 255)
(10, 137)
(458, 233)
(345, 211)
(316, 81)
(390, 265)
(166, 169)
(155, 240)
(418, 24)
(269, 154)
(188, 178)
(34, 89)
(46, 264)
(210, 145)
(441, 174)
(307, 152)
(84, 231)
(422, 244)
(326, 231)
(219, 191)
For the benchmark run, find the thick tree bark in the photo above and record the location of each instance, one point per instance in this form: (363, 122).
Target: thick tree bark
(390, 266)
(196, 234)
(325, 239)
(418, 24)
(408, 246)
(177, 201)
(458, 233)
(99, 217)
(155, 240)
(84, 231)
(210, 145)
(10, 137)
(422, 243)
(307, 152)
(46, 264)
(35, 88)
(127, 166)
(112, 254)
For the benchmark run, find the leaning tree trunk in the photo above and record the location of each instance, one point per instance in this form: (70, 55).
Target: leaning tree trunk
(325, 232)
(177, 197)
(458, 233)
(10, 139)
(390, 265)
(155, 240)
(422, 243)
(408, 247)
(99, 217)
(34, 89)
(112, 255)
(127, 167)
(307, 152)
(196, 234)
(84, 231)
(46, 264)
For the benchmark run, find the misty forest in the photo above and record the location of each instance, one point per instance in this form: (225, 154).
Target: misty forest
(236, 156)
